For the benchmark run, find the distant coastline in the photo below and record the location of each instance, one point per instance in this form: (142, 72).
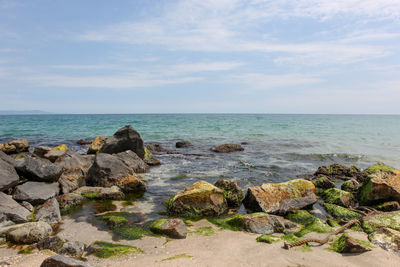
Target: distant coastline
(23, 112)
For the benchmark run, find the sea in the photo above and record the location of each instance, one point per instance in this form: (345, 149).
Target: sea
(277, 147)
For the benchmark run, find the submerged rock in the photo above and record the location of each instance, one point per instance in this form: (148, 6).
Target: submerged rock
(62, 261)
(35, 192)
(280, 198)
(100, 193)
(386, 238)
(27, 233)
(339, 197)
(39, 169)
(12, 210)
(156, 147)
(382, 183)
(173, 228)
(49, 212)
(347, 244)
(263, 223)
(226, 148)
(15, 146)
(181, 144)
(388, 219)
(197, 200)
(338, 171)
(69, 201)
(124, 139)
(83, 142)
(96, 145)
(8, 176)
(232, 192)
(150, 159)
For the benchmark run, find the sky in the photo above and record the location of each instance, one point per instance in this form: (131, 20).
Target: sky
(206, 56)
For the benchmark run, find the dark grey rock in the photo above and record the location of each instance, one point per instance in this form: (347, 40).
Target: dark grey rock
(52, 243)
(12, 210)
(62, 261)
(36, 192)
(124, 139)
(72, 248)
(49, 212)
(39, 169)
(181, 144)
(232, 192)
(8, 159)
(8, 176)
(132, 161)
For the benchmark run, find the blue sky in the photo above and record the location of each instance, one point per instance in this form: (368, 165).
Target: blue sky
(256, 56)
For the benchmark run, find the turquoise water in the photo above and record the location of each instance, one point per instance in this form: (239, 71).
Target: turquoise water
(280, 147)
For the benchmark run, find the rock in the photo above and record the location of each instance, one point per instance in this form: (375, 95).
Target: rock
(40, 151)
(8, 159)
(96, 145)
(109, 170)
(83, 142)
(386, 238)
(27, 233)
(20, 156)
(351, 186)
(347, 244)
(38, 169)
(28, 206)
(35, 192)
(113, 193)
(300, 216)
(124, 139)
(388, 206)
(156, 147)
(199, 199)
(8, 176)
(341, 213)
(263, 223)
(181, 144)
(62, 147)
(323, 182)
(72, 248)
(70, 200)
(4, 222)
(173, 228)
(381, 185)
(372, 223)
(149, 158)
(62, 261)
(49, 212)
(339, 197)
(133, 161)
(54, 155)
(52, 243)
(280, 198)
(226, 148)
(338, 171)
(12, 210)
(232, 192)
(71, 180)
(15, 146)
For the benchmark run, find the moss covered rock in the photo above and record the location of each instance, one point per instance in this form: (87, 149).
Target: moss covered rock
(388, 206)
(62, 147)
(226, 148)
(374, 222)
(268, 239)
(96, 145)
(317, 226)
(280, 198)
(198, 200)
(338, 171)
(386, 238)
(341, 213)
(173, 228)
(339, 197)
(347, 244)
(300, 216)
(351, 186)
(382, 183)
(107, 250)
(232, 192)
(323, 182)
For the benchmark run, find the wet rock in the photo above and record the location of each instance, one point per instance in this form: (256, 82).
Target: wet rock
(263, 223)
(232, 192)
(72, 248)
(133, 161)
(323, 182)
(341, 213)
(35, 192)
(382, 183)
(70, 200)
(388, 206)
(386, 238)
(124, 139)
(181, 144)
(150, 159)
(338, 171)
(156, 147)
(91, 192)
(39, 169)
(52, 243)
(62, 261)
(280, 198)
(49, 212)
(199, 199)
(347, 244)
(109, 170)
(27, 233)
(226, 148)
(339, 197)
(8, 176)
(83, 142)
(96, 145)
(8, 159)
(388, 219)
(173, 228)
(351, 186)
(12, 210)
(15, 146)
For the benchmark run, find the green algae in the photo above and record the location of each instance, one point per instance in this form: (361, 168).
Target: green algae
(378, 167)
(204, 231)
(323, 182)
(332, 223)
(300, 216)
(91, 195)
(114, 220)
(70, 209)
(365, 192)
(290, 238)
(233, 223)
(133, 232)
(338, 197)
(114, 250)
(103, 205)
(338, 245)
(155, 226)
(26, 250)
(179, 256)
(389, 220)
(268, 239)
(341, 213)
(317, 226)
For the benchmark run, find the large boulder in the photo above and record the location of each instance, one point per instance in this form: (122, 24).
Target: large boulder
(280, 198)
(173, 228)
(263, 223)
(373, 222)
(62, 261)
(15, 146)
(339, 197)
(39, 169)
(199, 199)
(35, 192)
(381, 183)
(386, 238)
(232, 192)
(347, 244)
(8, 176)
(108, 170)
(100, 193)
(27, 233)
(49, 212)
(226, 148)
(338, 171)
(133, 161)
(10, 160)
(96, 145)
(124, 139)
(12, 210)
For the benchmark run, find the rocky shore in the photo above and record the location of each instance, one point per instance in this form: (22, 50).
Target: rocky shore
(338, 208)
